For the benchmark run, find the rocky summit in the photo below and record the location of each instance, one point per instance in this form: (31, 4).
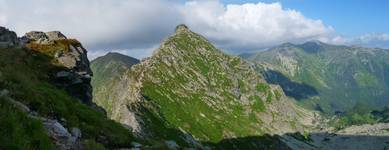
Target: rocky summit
(191, 93)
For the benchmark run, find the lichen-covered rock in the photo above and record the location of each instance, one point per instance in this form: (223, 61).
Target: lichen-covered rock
(44, 37)
(8, 38)
(55, 35)
(75, 77)
(37, 36)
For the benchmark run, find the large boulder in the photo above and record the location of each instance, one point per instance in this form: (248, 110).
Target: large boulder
(61, 136)
(75, 77)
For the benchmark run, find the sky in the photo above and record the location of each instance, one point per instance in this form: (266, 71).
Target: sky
(137, 27)
(351, 17)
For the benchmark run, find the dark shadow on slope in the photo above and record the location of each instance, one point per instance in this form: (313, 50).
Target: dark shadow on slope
(299, 141)
(298, 91)
(344, 142)
(312, 47)
(265, 142)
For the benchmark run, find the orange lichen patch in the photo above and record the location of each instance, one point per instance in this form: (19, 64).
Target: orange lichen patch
(73, 42)
(50, 49)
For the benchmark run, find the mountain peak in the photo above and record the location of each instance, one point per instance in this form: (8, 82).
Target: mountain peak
(313, 46)
(121, 57)
(314, 42)
(114, 54)
(184, 42)
(182, 27)
(287, 44)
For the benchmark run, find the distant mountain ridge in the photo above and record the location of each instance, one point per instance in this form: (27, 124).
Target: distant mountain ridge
(333, 77)
(107, 72)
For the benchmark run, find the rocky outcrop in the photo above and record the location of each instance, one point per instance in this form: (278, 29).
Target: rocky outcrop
(44, 38)
(75, 77)
(63, 139)
(8, 38)
(39, 115)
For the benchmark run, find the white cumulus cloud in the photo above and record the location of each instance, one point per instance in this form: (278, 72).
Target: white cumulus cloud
(373, 37)
(252, 25)
(135, 27)
(380, 40)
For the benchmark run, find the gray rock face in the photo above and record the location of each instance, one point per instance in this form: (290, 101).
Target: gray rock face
(171, 144)
(8, 38)
(44, 37)
(182, 27)
(76, 132)
(37, 36)
(75, 59)
(76, 76)
(77, 85)
(61, 136)
(55, 35)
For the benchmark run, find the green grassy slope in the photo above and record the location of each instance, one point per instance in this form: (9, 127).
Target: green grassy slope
(196, 91)
(191, 93)
(26, 75)
(210, 95)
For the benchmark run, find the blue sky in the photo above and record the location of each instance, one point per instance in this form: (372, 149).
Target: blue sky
(137, 27)
(347, 17)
